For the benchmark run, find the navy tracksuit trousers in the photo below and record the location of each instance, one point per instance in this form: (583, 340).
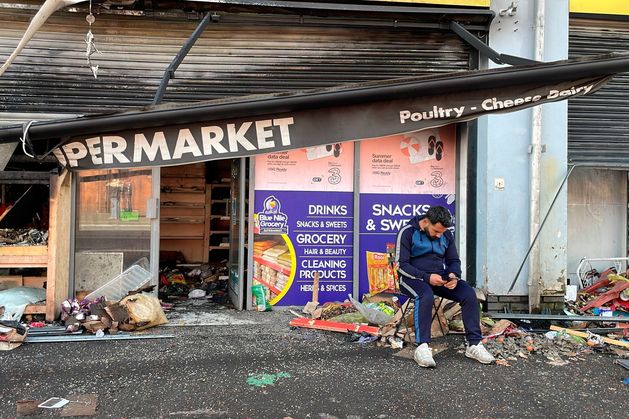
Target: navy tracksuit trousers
(424, 294)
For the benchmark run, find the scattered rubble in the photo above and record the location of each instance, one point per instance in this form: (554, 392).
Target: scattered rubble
(23, 237)
(506, 340)
(607, 296)
(137, 311)
(205, 283)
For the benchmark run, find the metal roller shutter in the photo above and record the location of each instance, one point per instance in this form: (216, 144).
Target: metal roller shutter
(598, 125)
(240, 55)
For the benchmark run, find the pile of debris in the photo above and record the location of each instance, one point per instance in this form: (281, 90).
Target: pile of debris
(379, 318)
(12, 334)
(607, 296)
(559, 346)
(23, 237)
(137, 311)
(206, 283)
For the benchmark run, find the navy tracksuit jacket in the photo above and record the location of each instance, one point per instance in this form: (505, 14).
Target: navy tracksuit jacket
(418, 257)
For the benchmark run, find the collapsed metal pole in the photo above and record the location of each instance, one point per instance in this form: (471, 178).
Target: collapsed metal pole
(45, 11)
(539, 230)
(185, 49)
(486, 50)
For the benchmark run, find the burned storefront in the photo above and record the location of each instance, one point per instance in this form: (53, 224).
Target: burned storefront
(266, 173)
(197, 215)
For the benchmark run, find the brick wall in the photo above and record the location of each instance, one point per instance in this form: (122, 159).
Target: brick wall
(520, 303)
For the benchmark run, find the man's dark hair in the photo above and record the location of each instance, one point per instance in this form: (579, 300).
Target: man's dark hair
(440, 215)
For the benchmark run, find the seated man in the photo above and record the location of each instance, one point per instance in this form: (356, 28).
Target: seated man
(429, 265)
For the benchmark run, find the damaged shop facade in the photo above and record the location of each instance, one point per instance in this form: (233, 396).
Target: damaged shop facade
(312, 179)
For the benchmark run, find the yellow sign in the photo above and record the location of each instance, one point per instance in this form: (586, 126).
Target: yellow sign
(475, 3)
(605, 7)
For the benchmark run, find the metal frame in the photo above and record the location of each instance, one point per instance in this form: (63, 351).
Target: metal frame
(585, 266)
(486, 50)
(252, 189)
(169, 73)
(340, 96)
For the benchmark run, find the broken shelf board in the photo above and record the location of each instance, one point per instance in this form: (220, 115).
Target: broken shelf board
(23, 256)
(35, 309)
(334, 326)
(585, 335)
(557, 317)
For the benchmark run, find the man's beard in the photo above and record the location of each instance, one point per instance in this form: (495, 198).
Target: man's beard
(428, 234)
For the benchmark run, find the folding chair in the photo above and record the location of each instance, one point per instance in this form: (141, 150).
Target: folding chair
(411, 301)
(393, 268)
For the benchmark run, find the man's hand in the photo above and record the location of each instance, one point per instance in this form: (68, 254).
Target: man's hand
(436, 280)
(452, 281)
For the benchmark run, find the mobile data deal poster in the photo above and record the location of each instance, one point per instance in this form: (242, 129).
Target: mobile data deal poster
(400, 176)
(303, 223)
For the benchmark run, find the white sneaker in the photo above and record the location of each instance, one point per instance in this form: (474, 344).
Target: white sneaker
(479, 353)
(423, 356)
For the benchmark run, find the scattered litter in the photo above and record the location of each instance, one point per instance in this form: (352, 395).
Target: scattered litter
(54, 403)
(263, 380)
(134, 277)
(334, 326)
(260, 300)
(362, 337)
(14, 301)
(182, 282)
(12, 335)
(379, 319)
(594, 339)
(623, 363)
(502, 362)
(396, 343)
(374, 313)
(23, 237)
(197, 293)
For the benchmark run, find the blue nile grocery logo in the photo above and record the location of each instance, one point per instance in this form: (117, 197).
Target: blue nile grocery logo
(271, 220)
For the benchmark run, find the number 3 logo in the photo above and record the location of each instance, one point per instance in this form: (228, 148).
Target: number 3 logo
(335, 177)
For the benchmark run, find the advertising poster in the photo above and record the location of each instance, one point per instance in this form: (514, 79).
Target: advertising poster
(303, 223)
(401, 176)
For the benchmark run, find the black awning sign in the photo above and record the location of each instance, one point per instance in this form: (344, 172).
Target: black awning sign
(248, 136)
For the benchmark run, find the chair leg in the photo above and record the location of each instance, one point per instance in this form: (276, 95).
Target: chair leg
(403, 319)
(437, 307)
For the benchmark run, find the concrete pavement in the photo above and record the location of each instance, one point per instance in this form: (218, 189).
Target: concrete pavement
(221, 370)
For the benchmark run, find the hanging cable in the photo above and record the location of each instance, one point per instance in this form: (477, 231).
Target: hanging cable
(89, 40)
(25, 139)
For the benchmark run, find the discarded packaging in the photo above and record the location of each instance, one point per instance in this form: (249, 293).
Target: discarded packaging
(260, 301)
(54, 403)
(372, 315)
(196, 293)
(144, 311)
(15, 300)
(134, 277)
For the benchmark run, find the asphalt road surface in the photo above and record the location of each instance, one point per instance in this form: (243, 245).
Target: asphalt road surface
(252, 365)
